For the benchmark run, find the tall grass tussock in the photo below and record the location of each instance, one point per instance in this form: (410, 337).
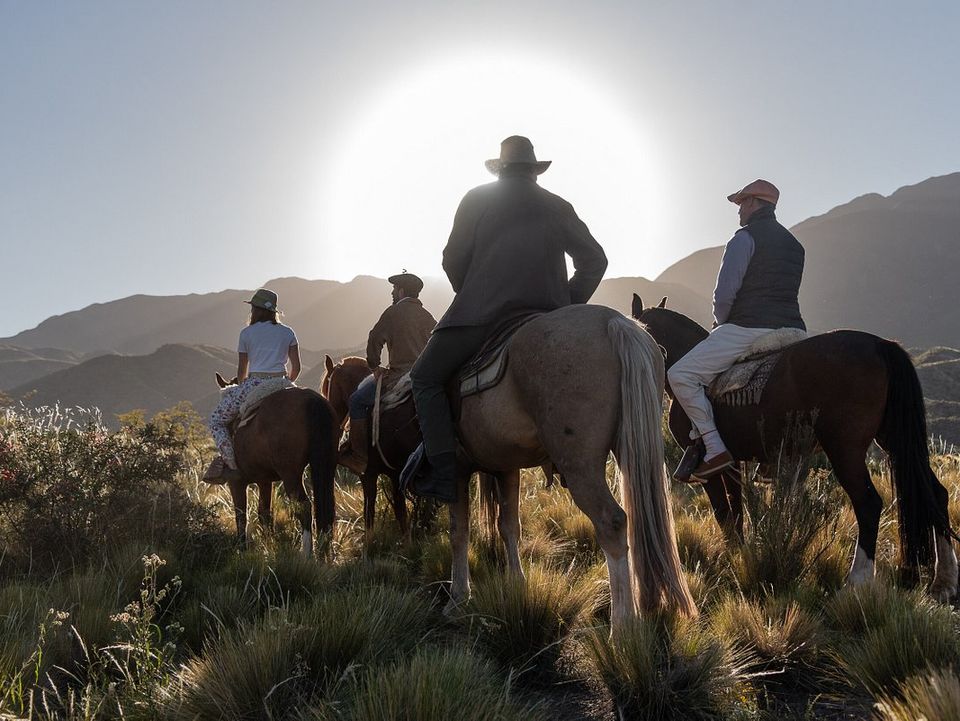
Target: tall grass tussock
(136, 603)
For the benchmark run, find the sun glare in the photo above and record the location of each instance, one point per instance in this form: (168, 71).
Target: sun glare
(417, 146)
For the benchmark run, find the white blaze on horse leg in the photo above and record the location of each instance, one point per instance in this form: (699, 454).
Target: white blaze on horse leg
(621, 596)
(944, 586)
(307, 543)
(862, 569)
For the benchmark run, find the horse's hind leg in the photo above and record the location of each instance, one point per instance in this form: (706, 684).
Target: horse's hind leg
(460, 546)
(238, 492)
(399, 504)
(944, 586)
(508, 520)
(588, 486)
(293, 487)
(850, 467)
(265, 505)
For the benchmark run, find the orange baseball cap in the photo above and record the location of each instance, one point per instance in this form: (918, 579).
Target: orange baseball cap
(762, 189)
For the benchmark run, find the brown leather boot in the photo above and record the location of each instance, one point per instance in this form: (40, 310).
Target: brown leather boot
(355, 457)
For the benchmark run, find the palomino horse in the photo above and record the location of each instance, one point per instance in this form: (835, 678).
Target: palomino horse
(580, 382)
(292, 429)
(399, 435)
(859, 388)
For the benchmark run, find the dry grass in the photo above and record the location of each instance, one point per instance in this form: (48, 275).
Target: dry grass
(267, 633)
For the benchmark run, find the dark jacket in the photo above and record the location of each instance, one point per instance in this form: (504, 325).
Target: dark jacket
(769, 294)
(405, 328)
(506, 253)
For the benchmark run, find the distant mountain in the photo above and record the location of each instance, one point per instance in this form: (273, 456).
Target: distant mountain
(886, 265)
(939, 371)
(20, 365)
(324, 313)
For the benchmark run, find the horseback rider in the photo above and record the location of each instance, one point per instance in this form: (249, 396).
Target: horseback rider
(505, 255)
(757, 292)
(264, 348)
(404, 328)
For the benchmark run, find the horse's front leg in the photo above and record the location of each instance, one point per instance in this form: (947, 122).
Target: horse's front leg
(399, 504)
(265, 505)
(508, 520)
(460, 546)
(238, 492)
(368, 482)
(726, 499)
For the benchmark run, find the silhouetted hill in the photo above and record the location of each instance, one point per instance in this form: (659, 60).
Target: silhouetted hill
(881, 264)
(324, 313)
(20, 365)
(118, 383)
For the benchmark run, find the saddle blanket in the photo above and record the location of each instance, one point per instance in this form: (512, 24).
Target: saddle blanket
(743, 384)
(251, 403)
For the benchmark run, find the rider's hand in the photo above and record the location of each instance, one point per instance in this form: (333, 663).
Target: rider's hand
(378, 372)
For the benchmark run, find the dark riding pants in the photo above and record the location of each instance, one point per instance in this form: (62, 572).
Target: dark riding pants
(447, 350)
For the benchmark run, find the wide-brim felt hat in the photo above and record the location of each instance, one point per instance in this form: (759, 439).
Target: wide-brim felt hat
(264, 298)
(516, 150)
(408, 281)
(761, 189)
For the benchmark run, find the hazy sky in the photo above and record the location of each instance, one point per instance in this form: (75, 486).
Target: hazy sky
(175, 147)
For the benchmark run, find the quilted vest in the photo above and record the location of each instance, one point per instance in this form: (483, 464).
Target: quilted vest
(769, 294)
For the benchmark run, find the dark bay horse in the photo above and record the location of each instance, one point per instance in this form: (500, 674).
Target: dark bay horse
(399, 436)
(580, 382)
(859, 388)
(293, 429)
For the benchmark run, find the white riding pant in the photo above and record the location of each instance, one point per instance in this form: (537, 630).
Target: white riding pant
(690, 376)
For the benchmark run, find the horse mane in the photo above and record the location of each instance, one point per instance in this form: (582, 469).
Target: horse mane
(353, 360)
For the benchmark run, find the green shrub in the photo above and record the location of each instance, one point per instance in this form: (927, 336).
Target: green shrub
(437, 685)
(932, 696)
(70, 492)
(267, 668)
(522, 622)
(782, 638)
(885, 635)
(657, 669)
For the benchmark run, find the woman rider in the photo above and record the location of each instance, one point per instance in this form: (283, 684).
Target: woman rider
(264, 348)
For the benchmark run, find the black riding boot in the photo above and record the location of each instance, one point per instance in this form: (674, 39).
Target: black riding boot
(439, 481)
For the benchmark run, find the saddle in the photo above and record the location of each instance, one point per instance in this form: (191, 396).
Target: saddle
(251, 404)
(743, 384)
(482, 372)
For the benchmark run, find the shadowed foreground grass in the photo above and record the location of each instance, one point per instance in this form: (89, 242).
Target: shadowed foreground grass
(174, 622)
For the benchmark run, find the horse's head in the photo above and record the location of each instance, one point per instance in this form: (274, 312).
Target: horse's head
(340, 380)
(224, 383)
(675, 333)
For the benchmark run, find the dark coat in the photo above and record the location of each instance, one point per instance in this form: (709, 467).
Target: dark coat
(404, 328)
(506, 253)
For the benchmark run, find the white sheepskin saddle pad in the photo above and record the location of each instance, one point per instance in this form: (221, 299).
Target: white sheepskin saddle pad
(743, 384)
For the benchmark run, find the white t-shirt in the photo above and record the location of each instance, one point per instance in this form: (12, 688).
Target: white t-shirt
(267, 345)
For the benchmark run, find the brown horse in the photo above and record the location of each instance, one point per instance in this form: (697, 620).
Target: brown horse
(858, 388)
(580, 382)
(292, 429)
(399, 435)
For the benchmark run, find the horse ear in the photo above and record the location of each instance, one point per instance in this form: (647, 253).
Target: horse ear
(662, 303)
(328, 362)
(221, 381)
(637, 308)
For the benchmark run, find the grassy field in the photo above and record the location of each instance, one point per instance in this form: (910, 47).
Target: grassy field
(122, 595)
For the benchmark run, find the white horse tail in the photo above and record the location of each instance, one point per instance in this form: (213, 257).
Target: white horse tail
(658, 580)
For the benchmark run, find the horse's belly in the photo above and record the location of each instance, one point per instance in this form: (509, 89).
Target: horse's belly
(497, 433)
